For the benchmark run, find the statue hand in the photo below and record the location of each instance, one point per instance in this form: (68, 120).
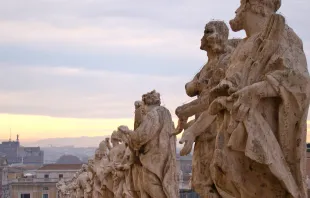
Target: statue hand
(188, 139)
(217, 105)
(126, 166)
(118, 166)
(178, 111)
(181, 125)
(244, 100)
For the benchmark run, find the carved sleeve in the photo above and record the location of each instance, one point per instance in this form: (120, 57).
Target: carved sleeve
(146, 131)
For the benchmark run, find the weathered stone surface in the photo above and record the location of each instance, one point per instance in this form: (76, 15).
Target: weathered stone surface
(260, 110)
(140, 163)
(155, 145)
(215, 43)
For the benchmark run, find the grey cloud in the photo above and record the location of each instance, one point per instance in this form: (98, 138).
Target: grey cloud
(120, 60)
(177, 25)
(60, 92)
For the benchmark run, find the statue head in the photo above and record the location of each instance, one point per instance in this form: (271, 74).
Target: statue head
(215, 37)
(103, 147)
(138, 104)
(115, 138)
(139, 112)
(99, 154)
(151, 98)
(262, 8)
(84, 167)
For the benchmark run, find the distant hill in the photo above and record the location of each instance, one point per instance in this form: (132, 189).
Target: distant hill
(83, 141)
(68, 142)
(68, 159)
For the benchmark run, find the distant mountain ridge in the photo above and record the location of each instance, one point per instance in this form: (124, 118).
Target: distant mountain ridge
(83, 141)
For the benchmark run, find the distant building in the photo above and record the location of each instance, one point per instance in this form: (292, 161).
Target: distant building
(16, 154)
(184, 168)
(42, 183)
(4, 187)
(69, 159)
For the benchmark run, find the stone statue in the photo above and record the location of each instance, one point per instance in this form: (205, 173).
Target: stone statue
(131, 164)
(261, 109)
(138, 114)
(84, 182)
(67, 189)
(116, 155)
(215, 43)
(130, 187)
(156, 145)
(102, 180)
(61, 189)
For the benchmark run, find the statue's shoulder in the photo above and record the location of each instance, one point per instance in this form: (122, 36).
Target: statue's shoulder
(157, 111)
(292, 38)
(161, 109)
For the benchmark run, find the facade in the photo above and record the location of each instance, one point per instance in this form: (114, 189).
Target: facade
(16, 154)
(42, 184)
(184, 167)
(4, 187)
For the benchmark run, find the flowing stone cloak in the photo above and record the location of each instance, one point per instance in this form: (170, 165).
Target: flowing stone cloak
(157, 148)
(276, 139)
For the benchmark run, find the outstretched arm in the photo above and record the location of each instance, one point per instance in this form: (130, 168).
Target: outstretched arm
(197, 128)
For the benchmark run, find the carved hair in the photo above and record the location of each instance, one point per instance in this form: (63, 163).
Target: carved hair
(84, 167)
(263, 7)
(221, 28)
(218, 43)
(151, 98)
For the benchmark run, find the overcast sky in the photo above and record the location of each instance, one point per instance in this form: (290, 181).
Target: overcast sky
(94, 58)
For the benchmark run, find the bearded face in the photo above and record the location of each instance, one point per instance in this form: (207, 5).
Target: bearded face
(211, 39)
(237, 23)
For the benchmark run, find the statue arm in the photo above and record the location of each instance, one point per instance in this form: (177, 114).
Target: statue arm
(190, 109)
(197, 128)
(192, 87)
(146, 131)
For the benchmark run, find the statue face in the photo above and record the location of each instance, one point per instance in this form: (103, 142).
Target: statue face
(237, 23)
(211, 39)
(98, 154)
(208, 33)
(215, 37)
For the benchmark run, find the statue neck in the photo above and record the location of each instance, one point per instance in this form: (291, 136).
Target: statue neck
(115, 143)
(254, 24)
(214, 55)
(150, 107)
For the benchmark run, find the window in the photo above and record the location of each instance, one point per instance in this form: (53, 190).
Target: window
(61, 176)
(46, 176)
(45, 188)
(45, 196)
(25, 195)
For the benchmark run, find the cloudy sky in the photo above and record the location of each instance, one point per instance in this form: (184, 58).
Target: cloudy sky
(74, 67)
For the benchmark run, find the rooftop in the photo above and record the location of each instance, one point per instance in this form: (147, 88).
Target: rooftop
(61, 167)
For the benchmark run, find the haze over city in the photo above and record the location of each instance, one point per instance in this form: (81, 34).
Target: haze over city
(75, 68)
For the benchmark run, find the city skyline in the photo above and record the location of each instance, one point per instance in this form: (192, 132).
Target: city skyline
(75, 69)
